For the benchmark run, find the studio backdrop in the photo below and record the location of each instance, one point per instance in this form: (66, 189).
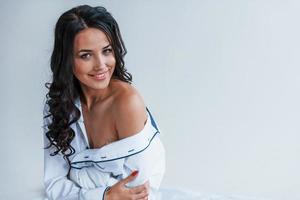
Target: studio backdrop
(221, 78)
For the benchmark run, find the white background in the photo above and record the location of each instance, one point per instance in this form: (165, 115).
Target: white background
(221, 78)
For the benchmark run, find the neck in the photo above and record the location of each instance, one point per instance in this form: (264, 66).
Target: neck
(91, 96)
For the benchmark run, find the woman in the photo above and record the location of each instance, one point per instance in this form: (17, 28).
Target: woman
(100, 139)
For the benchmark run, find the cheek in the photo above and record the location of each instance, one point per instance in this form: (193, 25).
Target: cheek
(78, 73)
(75, 72)
(79, 68)
(112, 61)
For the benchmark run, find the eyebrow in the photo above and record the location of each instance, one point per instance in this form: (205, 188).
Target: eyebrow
(88, 50)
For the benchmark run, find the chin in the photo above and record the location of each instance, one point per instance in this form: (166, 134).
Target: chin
(100, 86)
(96, 85)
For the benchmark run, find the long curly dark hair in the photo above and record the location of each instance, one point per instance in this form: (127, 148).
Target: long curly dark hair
(65, 87)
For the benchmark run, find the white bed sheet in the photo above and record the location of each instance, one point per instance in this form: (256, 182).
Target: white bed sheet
(168, 194)
(185, 194)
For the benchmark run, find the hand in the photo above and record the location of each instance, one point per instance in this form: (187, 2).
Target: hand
(119, 191)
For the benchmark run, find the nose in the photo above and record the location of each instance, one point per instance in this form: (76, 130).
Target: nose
(99, 62)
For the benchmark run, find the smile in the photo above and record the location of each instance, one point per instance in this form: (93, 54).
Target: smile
(100, 76)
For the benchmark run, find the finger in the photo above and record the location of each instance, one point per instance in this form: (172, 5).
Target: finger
(141, 196)
(129, 178)
(147, 184)
(139, 189)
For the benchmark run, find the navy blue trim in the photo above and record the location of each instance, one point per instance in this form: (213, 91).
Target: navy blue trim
(100, 166)
(153, 123)
(107, 188)
(152, 120)
(101, 161)
(131, 150)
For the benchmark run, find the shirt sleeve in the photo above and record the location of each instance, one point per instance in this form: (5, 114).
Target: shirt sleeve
(151, 166)
(57, 185)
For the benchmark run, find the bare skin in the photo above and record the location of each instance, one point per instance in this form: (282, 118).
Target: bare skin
(137, 193)
(119, 115)
(112, 109)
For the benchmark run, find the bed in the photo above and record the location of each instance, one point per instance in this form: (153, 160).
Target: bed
(168, 193)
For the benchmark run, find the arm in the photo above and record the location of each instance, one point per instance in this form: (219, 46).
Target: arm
(130, 114)
(130, 119)
(57, 185)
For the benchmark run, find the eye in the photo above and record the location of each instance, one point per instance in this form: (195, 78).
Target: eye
(85, 56)
(107, 51)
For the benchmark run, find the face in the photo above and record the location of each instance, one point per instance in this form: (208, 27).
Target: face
(93, 58)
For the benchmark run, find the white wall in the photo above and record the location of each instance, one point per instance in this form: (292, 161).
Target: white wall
(221, 77)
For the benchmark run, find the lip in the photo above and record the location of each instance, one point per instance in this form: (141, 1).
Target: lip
(99, 76)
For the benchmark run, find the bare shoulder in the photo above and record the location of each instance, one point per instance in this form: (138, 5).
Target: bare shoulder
(129, 110)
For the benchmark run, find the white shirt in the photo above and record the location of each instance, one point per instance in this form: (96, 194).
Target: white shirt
(93, 170)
